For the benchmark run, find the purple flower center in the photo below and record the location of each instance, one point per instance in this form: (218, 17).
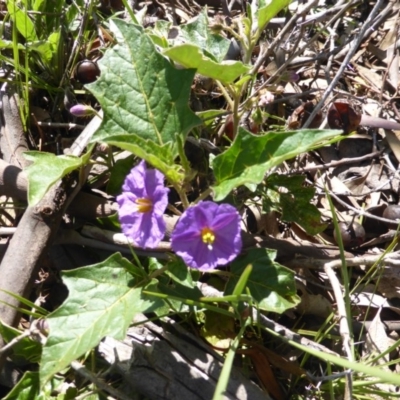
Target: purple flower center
(144, 205)
(208, 237)
(211, 225)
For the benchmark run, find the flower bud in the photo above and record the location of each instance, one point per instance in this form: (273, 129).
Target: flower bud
(80, 110)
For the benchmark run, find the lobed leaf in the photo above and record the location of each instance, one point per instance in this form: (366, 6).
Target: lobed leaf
(27, 388)
(199, 34)
(270, 284)
(190, 56)
(296, 204)
(102, 301)
(46, 170)
(269, 9)
(251, 156)
(143, 97)
(159, 157)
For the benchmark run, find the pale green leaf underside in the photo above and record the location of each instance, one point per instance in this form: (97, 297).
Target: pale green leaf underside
(269, 10)
(198, 33)
(159, 157)
(191, 56)
(45, 171)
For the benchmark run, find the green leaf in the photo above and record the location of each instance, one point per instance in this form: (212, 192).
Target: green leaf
(25, 348)
(178, 290)
(295, 204)
(46, 170)
(118, 173)
(180, 273)
(22, 21)
(27, 388)
(8, 44)
(102, 301)
(190, 56)
(268, 9)
(159, 33)
(199, 34)
(271, 284)
(144, 98)
(251, 156)
(38, 4)
(209, 116)
(161, 158)
(47, 50)
(241, 284)
(176, 283)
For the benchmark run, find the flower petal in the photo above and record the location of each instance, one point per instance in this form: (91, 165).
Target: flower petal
(224, 222)
(146, 228)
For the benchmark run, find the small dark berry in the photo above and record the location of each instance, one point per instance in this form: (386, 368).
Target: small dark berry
(353, 235)
(87, 71)
(392, 212)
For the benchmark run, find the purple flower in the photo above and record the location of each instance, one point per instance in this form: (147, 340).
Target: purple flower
(142, 204)
(207, 235)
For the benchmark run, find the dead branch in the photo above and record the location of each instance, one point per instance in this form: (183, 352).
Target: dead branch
(169, 363)
(36, 230)
(12, 138)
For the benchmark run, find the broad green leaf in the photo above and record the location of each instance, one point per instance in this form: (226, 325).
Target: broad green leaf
(295, 204)
(209, 116)
(268, 9)
(47, 49)
(178, 290)
(159, 157)
(143, 97)
(199, 34)
(38, 4)
(46, 170)
(25, 348)
(102, 301)
(8, 44)
(180, 273)
(159, 33)
(251, 156)
(270, 284)
(27, 388)
(176, 282)
(118, 173)
(22, 21)
(44, 49)
(190, 56)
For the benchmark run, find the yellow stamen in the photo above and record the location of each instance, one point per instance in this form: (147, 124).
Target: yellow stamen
(144, 205)
(208, 237)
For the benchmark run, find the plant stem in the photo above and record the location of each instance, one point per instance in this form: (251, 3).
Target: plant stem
(227, 368)
(225, 94)
(203, 195)
(182, 195)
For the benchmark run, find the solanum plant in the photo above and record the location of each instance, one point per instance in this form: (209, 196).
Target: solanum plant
(144, 92)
